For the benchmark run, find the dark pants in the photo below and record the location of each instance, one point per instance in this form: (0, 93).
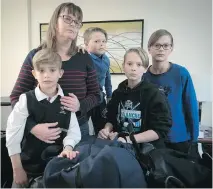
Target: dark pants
(191, 148)
(98, 116)
(84, 129)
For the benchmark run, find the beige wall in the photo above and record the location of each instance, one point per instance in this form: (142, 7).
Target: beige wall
(14, 41)
(188, 20)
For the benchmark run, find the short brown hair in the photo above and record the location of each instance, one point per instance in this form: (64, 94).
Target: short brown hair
(90, 31)
(157, 34)
(141, 53)
(46, 56)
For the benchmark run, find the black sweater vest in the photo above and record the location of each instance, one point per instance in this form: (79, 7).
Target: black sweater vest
(36, 153)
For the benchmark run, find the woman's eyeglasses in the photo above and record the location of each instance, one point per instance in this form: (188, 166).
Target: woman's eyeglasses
(69, 20)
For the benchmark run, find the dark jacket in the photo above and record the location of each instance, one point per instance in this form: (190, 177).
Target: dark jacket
(144, 105)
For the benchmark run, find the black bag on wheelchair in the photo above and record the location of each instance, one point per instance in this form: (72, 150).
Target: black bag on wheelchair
(99, 164)
(169, 168)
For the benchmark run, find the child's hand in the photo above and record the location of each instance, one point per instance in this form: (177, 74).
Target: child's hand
(68, 152)
(125, 141)
(20, 177)
(112, 135)
(108, 99)
(122, 140)
(128, 140)
(104, 133)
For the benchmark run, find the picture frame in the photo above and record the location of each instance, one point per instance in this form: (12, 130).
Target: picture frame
(122, 35)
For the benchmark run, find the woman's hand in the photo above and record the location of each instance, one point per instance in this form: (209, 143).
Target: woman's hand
(45, 133)
(71, 102)
(81, 49)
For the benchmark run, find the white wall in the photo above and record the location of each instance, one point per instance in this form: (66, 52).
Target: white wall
(190, 22)
(14, 41)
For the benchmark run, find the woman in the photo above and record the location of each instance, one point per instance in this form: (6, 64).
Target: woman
(79, 80)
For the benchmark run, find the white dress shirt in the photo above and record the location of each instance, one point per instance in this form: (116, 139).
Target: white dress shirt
(17, 121)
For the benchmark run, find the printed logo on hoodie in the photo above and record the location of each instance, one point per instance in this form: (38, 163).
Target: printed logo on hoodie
(129, 113)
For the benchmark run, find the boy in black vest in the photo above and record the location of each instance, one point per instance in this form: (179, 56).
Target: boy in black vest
(43, 105)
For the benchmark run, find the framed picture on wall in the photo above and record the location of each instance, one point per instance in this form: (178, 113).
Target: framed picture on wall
(122, 35)
(43, 31)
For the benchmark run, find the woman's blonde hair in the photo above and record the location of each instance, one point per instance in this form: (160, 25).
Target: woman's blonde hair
(50, 41)
(141, 53)
(157, 34)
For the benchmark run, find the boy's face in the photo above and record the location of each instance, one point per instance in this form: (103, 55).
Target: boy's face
(133, 67)
(47, 76)
(161, 54)
(97, 43)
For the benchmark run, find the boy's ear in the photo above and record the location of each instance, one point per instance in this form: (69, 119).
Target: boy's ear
(34, 74)
(123, 66)
(61, 73)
